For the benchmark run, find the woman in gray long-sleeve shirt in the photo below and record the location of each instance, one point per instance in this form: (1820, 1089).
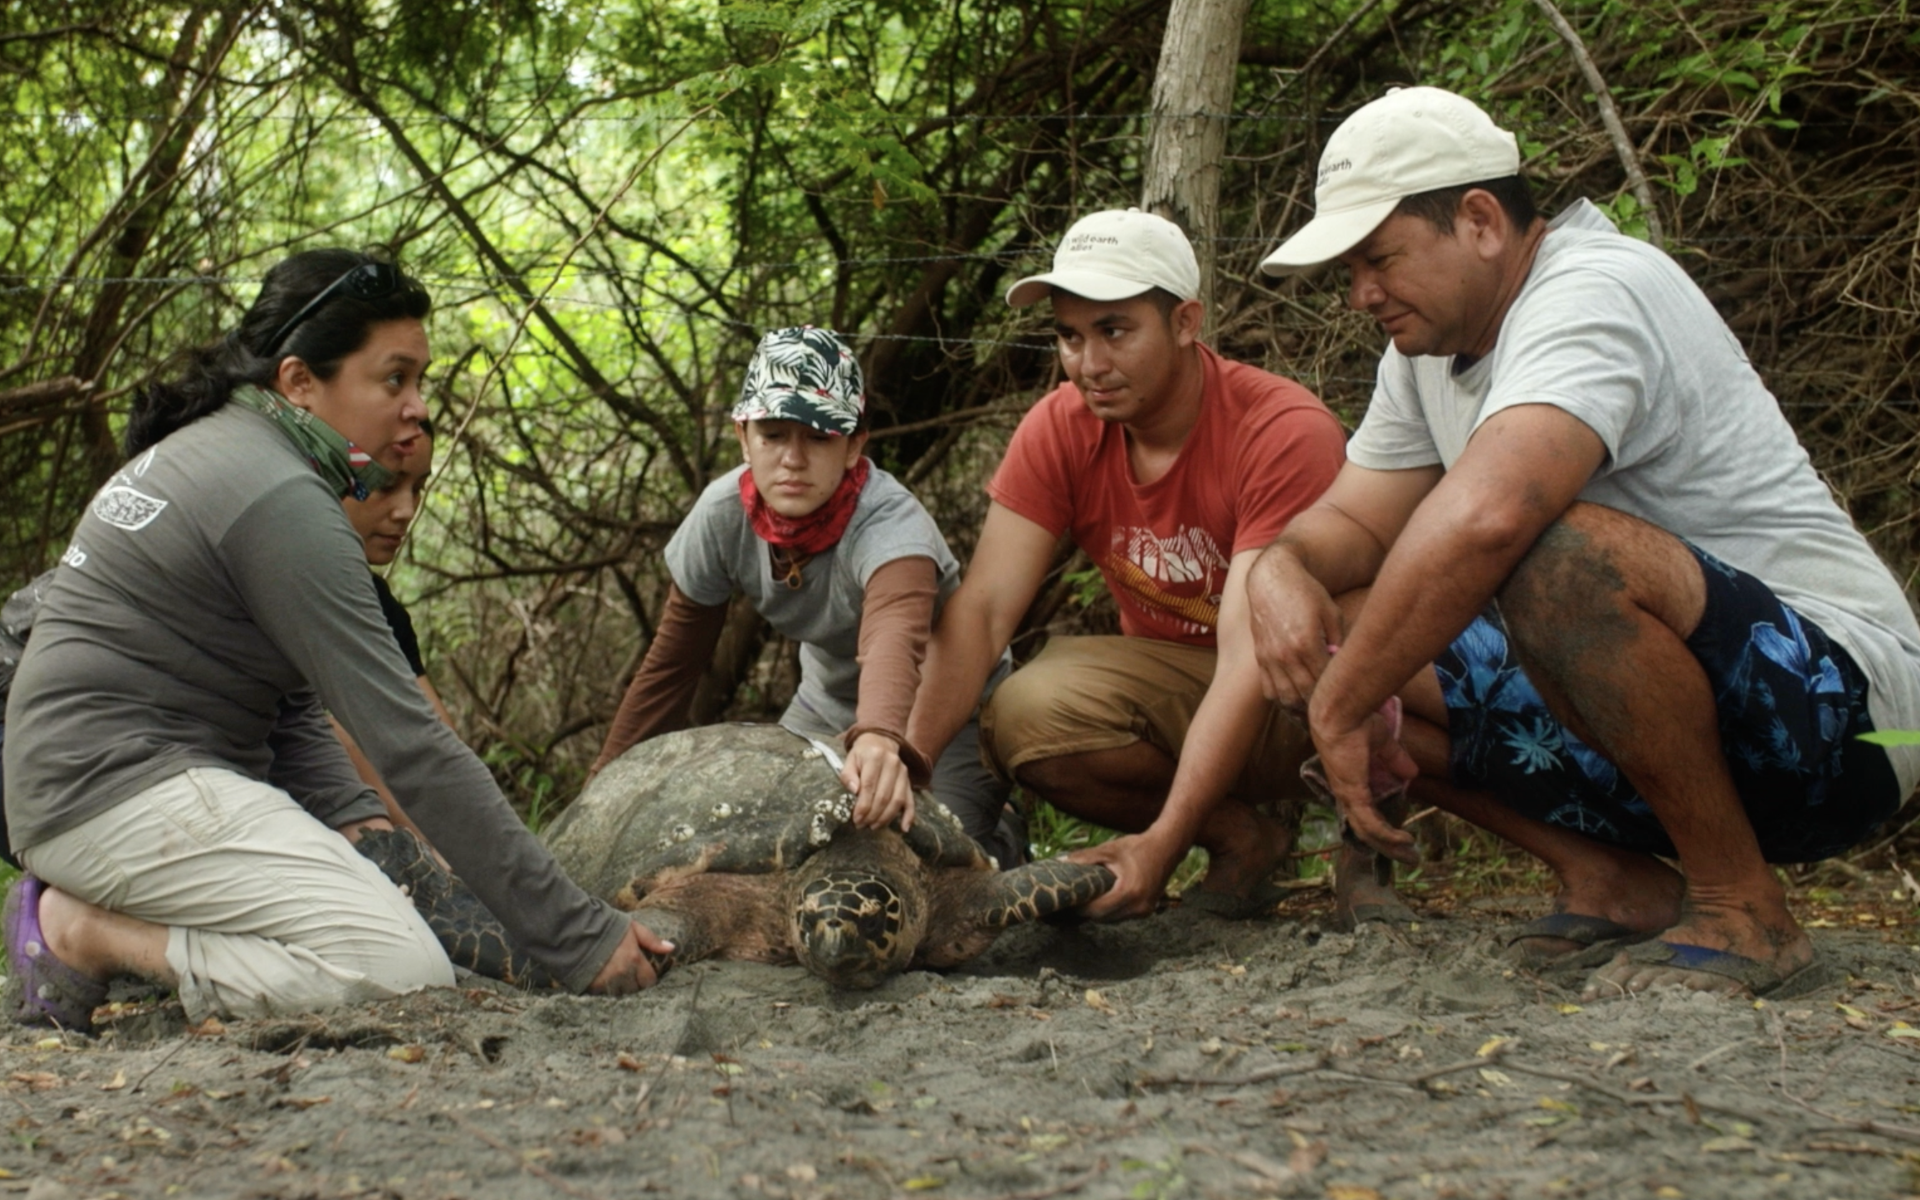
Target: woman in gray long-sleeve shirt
(172, 783)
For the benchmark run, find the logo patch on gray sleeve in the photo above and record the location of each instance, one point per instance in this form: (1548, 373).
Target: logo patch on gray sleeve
(125, 508)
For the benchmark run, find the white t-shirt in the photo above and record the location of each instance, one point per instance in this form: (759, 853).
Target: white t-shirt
(1613, 331)
(715, 553)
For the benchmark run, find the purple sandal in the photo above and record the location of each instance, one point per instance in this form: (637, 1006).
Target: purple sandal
(50, 991)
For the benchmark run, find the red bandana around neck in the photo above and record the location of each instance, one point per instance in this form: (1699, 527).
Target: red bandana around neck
(819, 529)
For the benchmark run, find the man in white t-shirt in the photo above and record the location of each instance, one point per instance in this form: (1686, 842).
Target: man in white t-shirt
(1576, 537)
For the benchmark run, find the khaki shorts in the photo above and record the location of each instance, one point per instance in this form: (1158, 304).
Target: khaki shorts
(1099, 693)
(267, 910)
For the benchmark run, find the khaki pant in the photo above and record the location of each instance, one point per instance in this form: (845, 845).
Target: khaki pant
(267, 910)
(1100, 693)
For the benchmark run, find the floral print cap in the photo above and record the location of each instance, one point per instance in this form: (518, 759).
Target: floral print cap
(803, 374)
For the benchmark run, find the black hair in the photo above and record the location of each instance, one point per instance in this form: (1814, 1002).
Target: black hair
(1437, 208)
(1163, 300)
(322, 339)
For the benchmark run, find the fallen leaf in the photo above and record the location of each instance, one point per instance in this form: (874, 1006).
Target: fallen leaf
(1903, 1030)
(1307, 1155)
(924, 1183)
(211, 1027)
(407, 1054)
(1491, 1046)
(1669, 1192)
(1722, 1145)
(627, 1062)
(119, 1081)
(302, 1101)
(1210, 1046)
(1098, 1003)
(1351, 1191)
(802, 1172)
(1557, 1105)
(1496, 1078)
(48, 1043)
(1263, 1166)
(1567, 1010)
(1848, 1009)
(39, 1081)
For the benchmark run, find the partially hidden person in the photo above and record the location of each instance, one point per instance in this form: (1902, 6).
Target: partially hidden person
(174, 790)
(840, 557)
(381, 522)
(1633, 632)
(1171, 468)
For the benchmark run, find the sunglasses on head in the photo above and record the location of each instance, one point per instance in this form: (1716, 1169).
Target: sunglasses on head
(368, 281)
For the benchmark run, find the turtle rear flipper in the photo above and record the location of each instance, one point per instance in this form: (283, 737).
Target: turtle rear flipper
(972, 907)
(471, 935)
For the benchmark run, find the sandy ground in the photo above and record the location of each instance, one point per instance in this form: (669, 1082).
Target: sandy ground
(1183, 1055)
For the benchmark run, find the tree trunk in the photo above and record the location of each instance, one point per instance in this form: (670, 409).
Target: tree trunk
(1192, 93)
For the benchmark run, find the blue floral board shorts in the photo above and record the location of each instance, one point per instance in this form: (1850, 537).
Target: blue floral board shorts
(1791, 702)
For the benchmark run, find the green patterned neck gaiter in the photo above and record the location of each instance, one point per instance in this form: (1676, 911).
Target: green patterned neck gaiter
(348, 470)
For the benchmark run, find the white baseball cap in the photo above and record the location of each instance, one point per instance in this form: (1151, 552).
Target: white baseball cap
(1411, 140)
(1115, 255)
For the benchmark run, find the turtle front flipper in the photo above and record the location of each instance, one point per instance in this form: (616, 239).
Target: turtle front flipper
(972, 907)
(471, 935)
(712, 916)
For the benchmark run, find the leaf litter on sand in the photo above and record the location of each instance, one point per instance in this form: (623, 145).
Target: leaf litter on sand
(1324, 1042)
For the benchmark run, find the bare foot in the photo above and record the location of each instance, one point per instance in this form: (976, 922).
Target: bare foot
(1625, 887)
(1729, 943)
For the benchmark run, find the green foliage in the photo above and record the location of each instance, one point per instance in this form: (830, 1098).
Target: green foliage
(1892, 737)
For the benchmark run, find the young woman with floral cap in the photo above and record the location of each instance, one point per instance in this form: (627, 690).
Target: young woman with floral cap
(837, 555)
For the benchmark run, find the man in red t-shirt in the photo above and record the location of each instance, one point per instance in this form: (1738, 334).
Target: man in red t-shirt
(1172, 468)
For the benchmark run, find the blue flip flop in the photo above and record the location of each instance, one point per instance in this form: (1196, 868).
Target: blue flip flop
(1596, 939)
(50, 992)
(1757, 977)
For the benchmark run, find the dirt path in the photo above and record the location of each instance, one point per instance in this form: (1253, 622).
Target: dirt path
(1178, 1056)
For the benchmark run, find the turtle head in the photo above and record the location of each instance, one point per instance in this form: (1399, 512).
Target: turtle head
(851, 927)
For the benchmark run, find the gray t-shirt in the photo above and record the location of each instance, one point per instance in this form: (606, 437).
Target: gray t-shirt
(715, 553)
(1613, 331)
(214, 598)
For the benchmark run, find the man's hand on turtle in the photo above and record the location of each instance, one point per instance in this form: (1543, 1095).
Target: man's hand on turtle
(628, 970)
(1346, 760)
(879, 780)
(1141, 864)
(1294, 620)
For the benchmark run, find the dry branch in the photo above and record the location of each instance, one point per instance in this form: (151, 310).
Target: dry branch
(1610, 117)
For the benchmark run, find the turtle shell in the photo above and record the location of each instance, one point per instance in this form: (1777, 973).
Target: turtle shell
(736, 799)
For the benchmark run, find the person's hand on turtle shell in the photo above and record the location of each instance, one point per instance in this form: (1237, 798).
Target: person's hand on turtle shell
(628, 970)
(1141, 864)
(879, 780)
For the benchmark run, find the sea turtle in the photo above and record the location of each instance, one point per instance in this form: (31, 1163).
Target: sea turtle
(733, 841)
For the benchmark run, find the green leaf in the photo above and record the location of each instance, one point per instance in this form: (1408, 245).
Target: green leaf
(1892, 737)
